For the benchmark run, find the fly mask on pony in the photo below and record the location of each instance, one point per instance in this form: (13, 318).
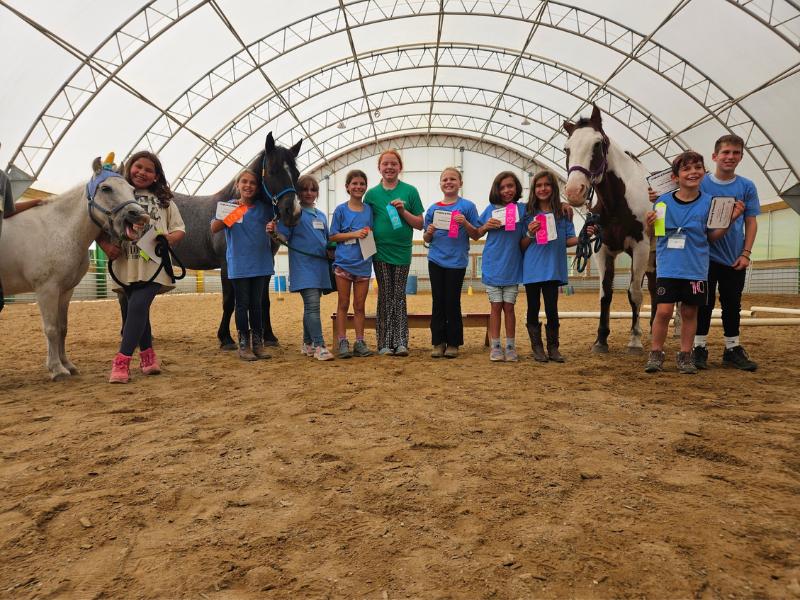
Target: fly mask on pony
(587, 157)
(125, 218)
(278, 177)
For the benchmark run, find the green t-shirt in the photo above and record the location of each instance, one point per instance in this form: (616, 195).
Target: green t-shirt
(393, 245)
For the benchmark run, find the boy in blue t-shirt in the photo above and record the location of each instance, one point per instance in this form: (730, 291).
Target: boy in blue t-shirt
(682, 257)
(730, 256)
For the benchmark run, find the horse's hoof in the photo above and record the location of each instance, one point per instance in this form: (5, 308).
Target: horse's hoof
(600, 348)
(59, 376)
(637, 350)
(227, 345)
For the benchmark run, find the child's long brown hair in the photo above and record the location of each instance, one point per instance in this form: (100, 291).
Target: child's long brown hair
(555, 195)
(160, 186)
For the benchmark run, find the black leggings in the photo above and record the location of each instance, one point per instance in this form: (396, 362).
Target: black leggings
(446, 323)
(549, 291)
(249, 294)
(136, 328)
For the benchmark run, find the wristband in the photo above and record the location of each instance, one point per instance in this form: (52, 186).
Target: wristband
(745, 256)
(749, 252)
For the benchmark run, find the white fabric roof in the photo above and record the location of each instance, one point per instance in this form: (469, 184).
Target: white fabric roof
(201, 82)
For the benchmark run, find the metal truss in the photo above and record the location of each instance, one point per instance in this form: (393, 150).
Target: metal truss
(393, 60)
(93, 74)
(369, 149)
(781, 16)
(159, 15)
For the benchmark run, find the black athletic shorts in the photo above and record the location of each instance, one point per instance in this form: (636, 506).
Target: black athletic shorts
(693, 293)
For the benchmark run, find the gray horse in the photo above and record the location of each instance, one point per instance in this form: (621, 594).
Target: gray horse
(276, 174)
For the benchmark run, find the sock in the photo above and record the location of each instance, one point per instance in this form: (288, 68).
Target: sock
(731, 342)
(700, 341)
(495, 343)
(510, 343)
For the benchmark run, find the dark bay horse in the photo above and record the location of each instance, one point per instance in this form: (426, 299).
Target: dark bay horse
(620, 182)
(276, 174)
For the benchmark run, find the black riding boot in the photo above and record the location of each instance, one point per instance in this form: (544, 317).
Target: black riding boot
(552, 343)
(245, 353)
(535, 333)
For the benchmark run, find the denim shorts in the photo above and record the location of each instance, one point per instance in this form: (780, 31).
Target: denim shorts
(503, 293)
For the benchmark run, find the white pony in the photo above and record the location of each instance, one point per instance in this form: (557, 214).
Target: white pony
(45, 249)
(620, 181)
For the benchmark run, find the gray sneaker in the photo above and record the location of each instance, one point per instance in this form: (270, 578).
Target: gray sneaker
(401, 351)
(360, 348)
(496, 354)
(451, 352)
(511, 354)
(655, 362)
(385, 352)
(344, 349)
(437, 351)
(685, 363)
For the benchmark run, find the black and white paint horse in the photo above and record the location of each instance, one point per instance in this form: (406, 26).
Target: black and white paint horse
(620, 183)
(277, 175)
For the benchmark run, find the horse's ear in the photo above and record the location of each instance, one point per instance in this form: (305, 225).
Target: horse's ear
(121, 168)
(97, 165)
(270, 144)
(596, 117)
(569, 127)
(295, 150)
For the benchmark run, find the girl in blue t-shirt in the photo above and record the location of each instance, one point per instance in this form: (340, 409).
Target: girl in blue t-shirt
(544, 262)
(446, 227)
(352, 222)
(249, 259)
(501, 263)
(308, 266)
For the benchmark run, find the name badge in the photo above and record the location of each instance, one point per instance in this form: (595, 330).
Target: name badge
(318, 224)
(677, 241)
(350, 242)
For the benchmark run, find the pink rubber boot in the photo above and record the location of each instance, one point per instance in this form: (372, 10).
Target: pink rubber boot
(148, 362)
(120, 370)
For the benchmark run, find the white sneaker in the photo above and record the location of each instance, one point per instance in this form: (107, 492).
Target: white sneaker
(307, 349)
(322, 353)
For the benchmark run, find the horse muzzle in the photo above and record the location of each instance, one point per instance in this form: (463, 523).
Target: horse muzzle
(134, 225)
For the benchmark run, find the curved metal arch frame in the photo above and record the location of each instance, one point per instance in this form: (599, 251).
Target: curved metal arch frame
(650, 131)
(637, 47)
(778, 14)
(95, 72)
(511, 137)
(568, 16)
(436, 140)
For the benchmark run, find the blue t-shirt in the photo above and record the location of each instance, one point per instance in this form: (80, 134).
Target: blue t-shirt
(309, 235)
(447, 252)
(727, 249)
(348, 254)
(248, 253)
(687, 219)
(501, 262)
(547, 262)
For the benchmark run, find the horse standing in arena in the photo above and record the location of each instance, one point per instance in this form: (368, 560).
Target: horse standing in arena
(46, 250)
(277, 174)
(620, 181)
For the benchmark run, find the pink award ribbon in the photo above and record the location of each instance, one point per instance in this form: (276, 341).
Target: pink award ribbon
(453, 233)
(541, 234)
(511, 216)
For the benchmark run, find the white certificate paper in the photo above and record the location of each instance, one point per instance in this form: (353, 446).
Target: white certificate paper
(721, 212)
(147, 244)
(552, 232)
(500, 215)
(661, 182)
(367, 245)
(441, 219)
(226, 208)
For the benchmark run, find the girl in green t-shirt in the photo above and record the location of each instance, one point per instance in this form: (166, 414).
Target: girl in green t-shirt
(397, 211)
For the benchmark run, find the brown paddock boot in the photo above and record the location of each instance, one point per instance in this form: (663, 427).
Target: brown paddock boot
(552, 343)
(258, 346)
(535, 333)
(245, 353)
